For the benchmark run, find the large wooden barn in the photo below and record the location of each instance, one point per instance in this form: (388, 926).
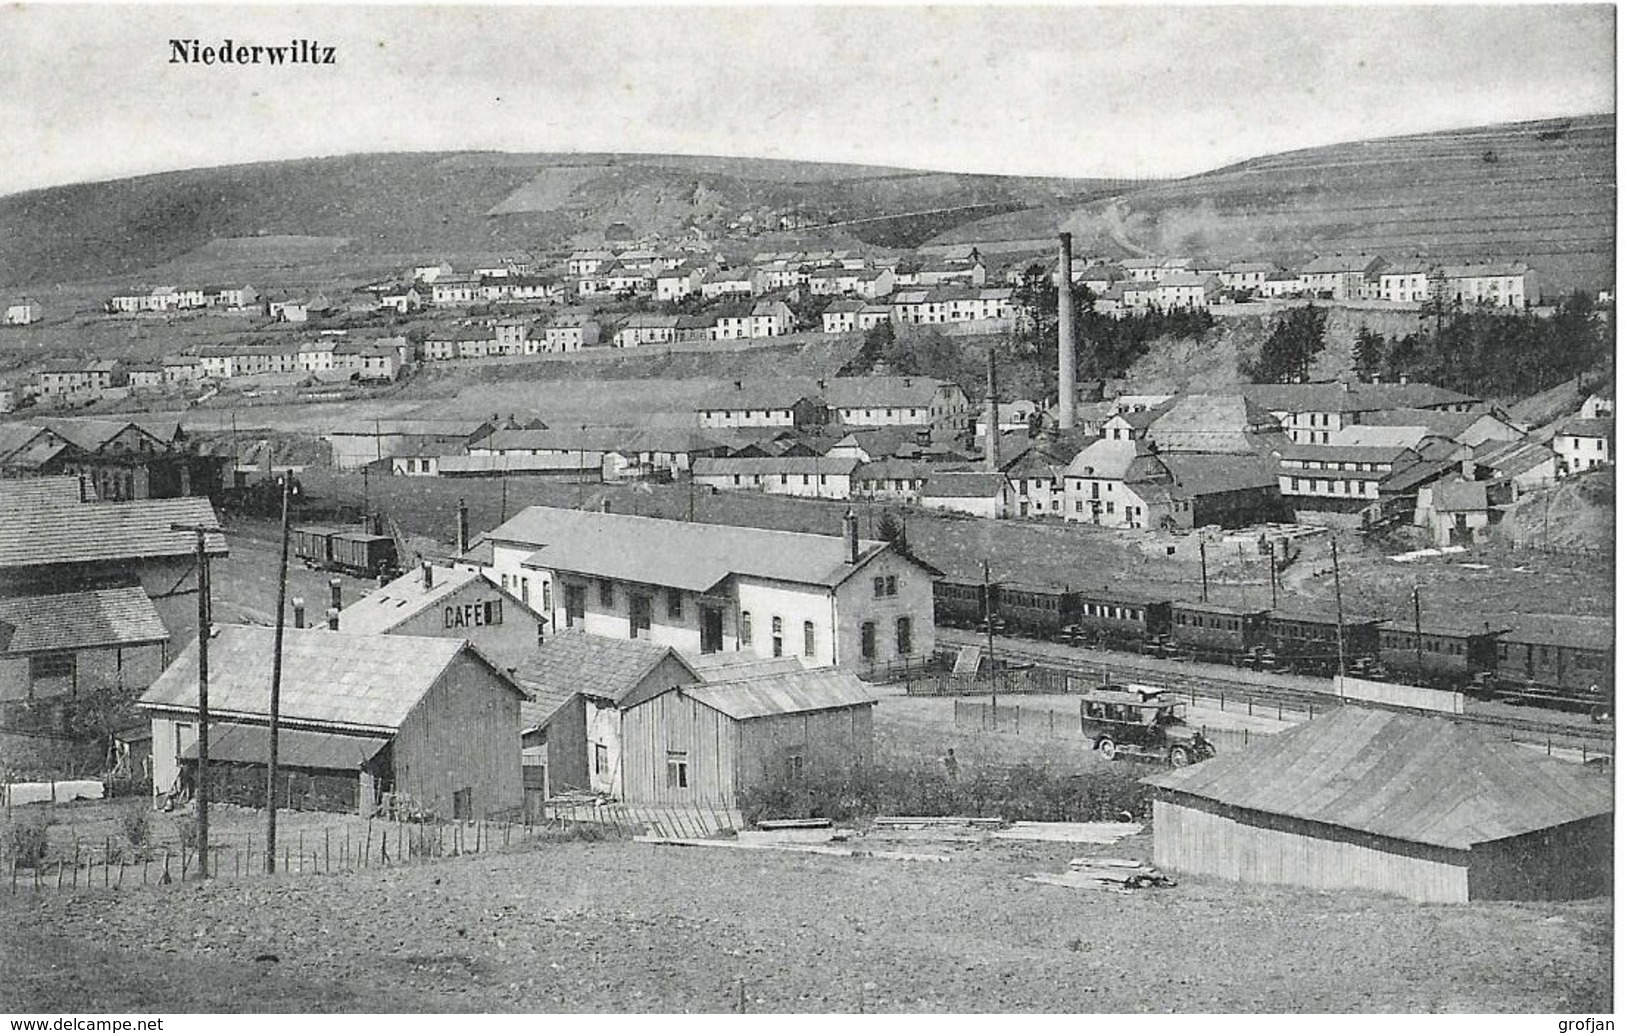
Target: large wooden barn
(714, 742)
(429, 720)
(1421, 807)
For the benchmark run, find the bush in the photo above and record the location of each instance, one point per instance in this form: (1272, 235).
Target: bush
(135, 822)
(26, 840)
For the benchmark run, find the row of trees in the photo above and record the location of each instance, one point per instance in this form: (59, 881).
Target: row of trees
(1491, 353)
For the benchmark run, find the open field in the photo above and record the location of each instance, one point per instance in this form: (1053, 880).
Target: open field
(634, 927)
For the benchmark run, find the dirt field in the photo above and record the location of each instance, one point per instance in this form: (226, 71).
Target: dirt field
(634, 927)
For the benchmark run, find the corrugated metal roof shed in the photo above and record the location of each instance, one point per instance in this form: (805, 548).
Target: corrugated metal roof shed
(601, 668)
(36, 532)
(1421, 779)
(81, 620)
(788, 693)
(332, 678)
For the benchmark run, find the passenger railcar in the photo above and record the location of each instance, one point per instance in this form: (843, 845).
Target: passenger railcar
(1119, 619)
(1309, 643)
(961, 602)
(1441, 656)
(1036, 611)
(1214, 631)
(1572, 659)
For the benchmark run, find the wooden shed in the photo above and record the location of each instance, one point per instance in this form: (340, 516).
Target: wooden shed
(427, 721)
(710, 743)
(1422, 807)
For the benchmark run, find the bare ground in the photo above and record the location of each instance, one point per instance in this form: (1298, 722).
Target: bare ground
(634, 927)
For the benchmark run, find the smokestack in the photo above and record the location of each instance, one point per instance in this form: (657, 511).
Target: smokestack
(333, 619)
(990, 443)
(1066, 337)
(298, 612)
(428, 574)
(849, 531)
(335, 589)
(462, 527)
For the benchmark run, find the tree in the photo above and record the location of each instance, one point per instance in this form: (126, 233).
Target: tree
(1292, 345)
(1369, 348)
(891, 529)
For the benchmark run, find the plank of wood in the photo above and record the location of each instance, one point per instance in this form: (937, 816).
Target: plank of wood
(795, 823)
(796, 848)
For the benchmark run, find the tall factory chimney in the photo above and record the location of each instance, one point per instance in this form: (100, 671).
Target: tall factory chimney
(1066, 337)
(990, 441)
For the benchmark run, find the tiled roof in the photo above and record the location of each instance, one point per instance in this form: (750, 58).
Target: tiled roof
(609, 669)
(1195, 475)
(788, 693)
(328, 678)
(963, 484)
(1343, 453)
(1599, 427)
(81, 620)
(34, 532)
(674, 553)
(1421, 779)
(799, 465)
(1349, 397)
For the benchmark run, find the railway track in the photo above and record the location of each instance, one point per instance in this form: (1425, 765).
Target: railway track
(1267, 690)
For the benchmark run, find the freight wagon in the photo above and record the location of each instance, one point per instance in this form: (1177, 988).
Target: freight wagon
(348, 551)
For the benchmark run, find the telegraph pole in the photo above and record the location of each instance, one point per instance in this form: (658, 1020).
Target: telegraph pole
(1337, 588)
(276, 686)
(1416, 602)
(1201, 546)
(987, 611)
(1274, 602)
(203, 621)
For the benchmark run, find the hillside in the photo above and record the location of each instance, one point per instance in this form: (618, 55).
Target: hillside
(1540, 191)
(383, 204)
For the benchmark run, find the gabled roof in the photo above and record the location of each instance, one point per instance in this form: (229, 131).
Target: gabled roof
(328, 677)
(1196, 474)
(788, 693)
(1210, 423)
(963, 484)
(1598, 427)
(1460, 497)
(1421, 779)
(610, 669)
(36, 533)
(392, 605)
(677, 554)
(1338, 264)
(1340, 397)
(706, 466)
(1108, 458)
(81, 620)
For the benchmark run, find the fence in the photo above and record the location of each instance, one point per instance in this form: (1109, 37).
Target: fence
(113, 864)
(684, 821)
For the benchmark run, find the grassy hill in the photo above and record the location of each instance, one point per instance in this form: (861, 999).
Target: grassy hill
(438, 203)
(1540, 191)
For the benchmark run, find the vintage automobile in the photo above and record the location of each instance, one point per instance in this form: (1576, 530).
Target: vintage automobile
(1140, 721)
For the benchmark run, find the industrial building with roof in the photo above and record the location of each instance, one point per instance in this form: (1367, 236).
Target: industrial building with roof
(1376, 800)
(707, 588)
(427, 724)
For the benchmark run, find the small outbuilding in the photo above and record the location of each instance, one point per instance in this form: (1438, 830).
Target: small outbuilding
(425, 723)
(715, 742)
(1422, 807)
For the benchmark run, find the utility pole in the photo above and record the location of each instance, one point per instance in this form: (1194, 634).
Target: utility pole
(276, 685)
(1201, 547)
(504, 518)
(987, 611)
(1337, 589)
(1274, 602)
(1416, 603)
(203, 621)
(366, 504)
(1241, 558)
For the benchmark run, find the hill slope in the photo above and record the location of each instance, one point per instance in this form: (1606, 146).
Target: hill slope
(1540, 191)
(462, 202)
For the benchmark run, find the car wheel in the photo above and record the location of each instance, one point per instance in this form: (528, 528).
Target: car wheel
(1107, 748)
(1179, 757)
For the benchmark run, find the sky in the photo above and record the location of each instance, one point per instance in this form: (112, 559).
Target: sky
(90, 93)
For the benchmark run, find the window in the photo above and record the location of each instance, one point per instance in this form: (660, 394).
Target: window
(674, 603)
(51, 665)
(524, 589)
(905, 636)
(744, 628)
(600, 759)
(778, 636)
(547, 597)
(809, 639)
(891, 584)
(794, 765)
(867, 640)
(606, 593)
(575, 604)
(880, 588)
(676, 769)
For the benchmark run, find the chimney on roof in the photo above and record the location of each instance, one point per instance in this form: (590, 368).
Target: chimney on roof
(335, 590)
(333, 619)
(299, 612)
(428, 574)
(849, 531)
(462, 527)
(1066, 338)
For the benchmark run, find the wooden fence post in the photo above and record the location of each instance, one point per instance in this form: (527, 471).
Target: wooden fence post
(327, 850)
(366, 849)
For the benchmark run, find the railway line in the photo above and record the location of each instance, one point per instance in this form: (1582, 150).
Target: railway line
(1267, 691)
